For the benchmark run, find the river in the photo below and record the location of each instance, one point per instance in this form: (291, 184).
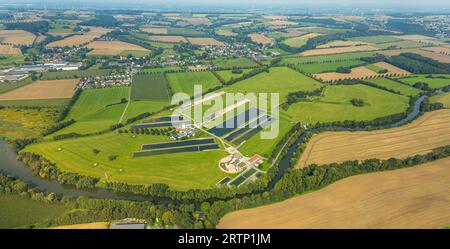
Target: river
(10, 165)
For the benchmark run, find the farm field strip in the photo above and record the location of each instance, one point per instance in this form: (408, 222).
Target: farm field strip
(112, 47)
(339, 50)
(433, 82)
(395, 86)
(17, 37)
(428, 132)
(149, 87)
(432, 55)
(52, 89)
(421, 201)
(362, 72)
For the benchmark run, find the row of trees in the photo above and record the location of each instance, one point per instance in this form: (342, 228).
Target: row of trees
(418, 64)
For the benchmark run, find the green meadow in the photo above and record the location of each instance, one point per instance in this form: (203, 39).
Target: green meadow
(443, 98)
(327, 66)
(335, 105)
(184, 82)
(180, 171)
(280, 80)
(436, 81)
(96, 110)
(17, 211)
(395, 86)
(228, 74)
(240, 62)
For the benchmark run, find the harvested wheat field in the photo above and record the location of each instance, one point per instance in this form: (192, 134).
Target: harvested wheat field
(293, 32)
(324, 51)
(156, 31)
(9, 50)
(415, 197)
(260, 39)
(50, 89)
(435, 56)
(205, 42)
(362, 73)
(112, 47)
(16, 37)
(167, 38)
(94, 225)
(430, 131)
(78, 40)
(225, 32)
(440, 50)
(335, 44)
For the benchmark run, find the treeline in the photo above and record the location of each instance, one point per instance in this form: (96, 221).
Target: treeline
(146, 131)
(419, 64)
(47, 169)
(72, 102)
(101, 20)
(57, 127)
(319, 40)
(247, 75)
(37, 27)
(294, 97)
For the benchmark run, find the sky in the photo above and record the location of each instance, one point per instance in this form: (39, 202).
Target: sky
(410, 4)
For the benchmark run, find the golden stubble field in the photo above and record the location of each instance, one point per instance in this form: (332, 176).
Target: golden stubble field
(50, 89)
(362, 72)
(112, 47)
(78, 40)
(16, 37)
(205, 41)
(260, 39)
(430, 131)
(339, 50)
(8, 49)
(415, 197)
(424, 52)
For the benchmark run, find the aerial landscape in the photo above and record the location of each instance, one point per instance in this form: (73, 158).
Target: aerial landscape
(197, 115)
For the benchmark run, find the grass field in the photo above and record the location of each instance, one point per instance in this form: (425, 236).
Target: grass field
(228, 74)
(75, 74)
(185, 32)
(405, 198)
(257, 145)
(240, 62)
(138, 107)
(327, 66)
(149, 87)
(443, 98)
(16, 211)
(325, 58)
(280, 80)
(432, 82)
(428, 132)
(11, 60)
(335, 105)
(375, 68)
(375, 39)
(96, 110)
(180, 171)
(395, 86)
(184, 82)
